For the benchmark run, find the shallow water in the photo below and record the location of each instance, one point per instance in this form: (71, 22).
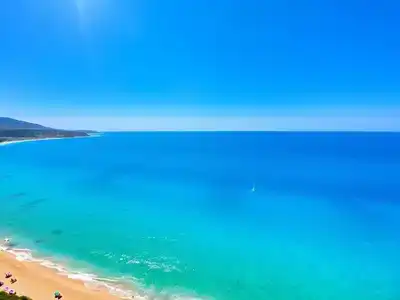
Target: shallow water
(175, 212)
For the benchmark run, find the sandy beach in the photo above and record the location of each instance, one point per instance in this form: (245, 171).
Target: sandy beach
(27, 140)
(46, 139)
(39, 283)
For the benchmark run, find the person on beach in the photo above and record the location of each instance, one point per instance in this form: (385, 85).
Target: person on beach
(57, 295)
(8, 274)
(13, 280)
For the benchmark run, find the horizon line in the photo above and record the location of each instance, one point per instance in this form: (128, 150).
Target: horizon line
(249, 131)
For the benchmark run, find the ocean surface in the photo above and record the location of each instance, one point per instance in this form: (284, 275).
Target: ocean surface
(229, 216)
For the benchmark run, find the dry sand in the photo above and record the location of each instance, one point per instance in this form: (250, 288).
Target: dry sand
(40, 283)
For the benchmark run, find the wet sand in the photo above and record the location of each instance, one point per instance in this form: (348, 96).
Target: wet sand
(40, 283)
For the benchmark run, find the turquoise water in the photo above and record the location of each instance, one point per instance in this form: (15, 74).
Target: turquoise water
(175, 212)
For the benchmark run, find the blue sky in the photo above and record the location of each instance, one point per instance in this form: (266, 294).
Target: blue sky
(201, 64)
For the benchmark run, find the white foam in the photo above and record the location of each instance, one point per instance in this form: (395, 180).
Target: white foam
(91, 281)
(27, 140)
(107, 279)
(22, 250)
(20, 254)
(48, 139)
(23, 257)
(82, 277)
(51, 265)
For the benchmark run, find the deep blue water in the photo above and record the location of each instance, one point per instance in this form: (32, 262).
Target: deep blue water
(176, 212)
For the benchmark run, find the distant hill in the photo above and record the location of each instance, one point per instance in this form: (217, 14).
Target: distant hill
(12, 129)
(12, 124)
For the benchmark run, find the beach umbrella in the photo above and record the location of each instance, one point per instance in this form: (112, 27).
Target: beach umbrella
(57, 294)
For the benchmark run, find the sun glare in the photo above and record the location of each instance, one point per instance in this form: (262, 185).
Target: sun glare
(81, 6)
(89, 11)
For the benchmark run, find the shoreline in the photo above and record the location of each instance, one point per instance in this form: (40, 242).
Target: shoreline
(87, 281)
(39, 276)
(37, 281)
(46, 139)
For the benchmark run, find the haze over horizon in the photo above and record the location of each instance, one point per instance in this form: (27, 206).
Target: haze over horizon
(179, 65)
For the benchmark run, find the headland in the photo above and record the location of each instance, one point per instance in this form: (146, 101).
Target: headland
(15, 131)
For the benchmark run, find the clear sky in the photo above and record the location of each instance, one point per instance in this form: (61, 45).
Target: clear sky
(206, 64)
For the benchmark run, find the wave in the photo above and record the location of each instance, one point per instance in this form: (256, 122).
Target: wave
(122, 287)
(163, 263)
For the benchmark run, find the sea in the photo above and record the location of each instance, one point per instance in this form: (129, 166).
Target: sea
(210, 215)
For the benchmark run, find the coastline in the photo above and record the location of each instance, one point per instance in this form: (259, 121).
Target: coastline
(38, 282)
(39, 278)
(54, 276)
(27, 140)
(46, 139)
